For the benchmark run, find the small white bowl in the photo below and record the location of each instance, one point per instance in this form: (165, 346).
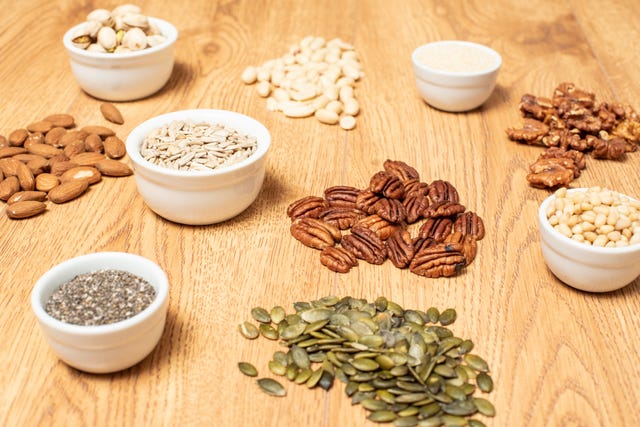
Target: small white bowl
(585, 267)
(455, 75)
(103, 348)
(200, 197)
(123, 76)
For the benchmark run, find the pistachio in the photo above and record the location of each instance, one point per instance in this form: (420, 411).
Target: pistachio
(103, 16)
(134, 39)
(107, 38)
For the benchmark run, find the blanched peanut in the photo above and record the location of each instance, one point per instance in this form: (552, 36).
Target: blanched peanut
(597, 216)
(320, 73)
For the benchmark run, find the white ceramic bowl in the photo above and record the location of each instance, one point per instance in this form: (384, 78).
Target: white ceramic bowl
(123, 76)
(200, 197)
(455, 75)
(586, 267)
(103, 348)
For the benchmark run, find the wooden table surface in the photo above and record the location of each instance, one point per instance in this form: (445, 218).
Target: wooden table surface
(559, 357)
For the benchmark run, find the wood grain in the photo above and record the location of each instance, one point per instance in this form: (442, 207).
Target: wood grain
(559, 357)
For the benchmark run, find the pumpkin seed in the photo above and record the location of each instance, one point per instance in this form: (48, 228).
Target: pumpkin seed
(406, 421)
(429, 410)
(277, 368)
(314, 378)
(272, 387)
(433, 314)
(485, 382)
(261, 315)
(475, 423)
(248, 369)
(453, 420)
(430, 422)
(277, 314)
(484, 406)
(374, 405)
(460, 407)
(476, 362)
(249, 330)
(293, 331)
(302, 376)
(466, 346)
(268, 331)
(382, 416)
(409, 411)
(447, 317)
(365, 364)
(315, 314)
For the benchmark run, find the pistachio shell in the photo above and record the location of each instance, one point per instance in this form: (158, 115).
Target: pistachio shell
(135, 20)
(155, 40)
(107, 38)
(126, 8)
(95, 47)
(134, 39)
(103, 16)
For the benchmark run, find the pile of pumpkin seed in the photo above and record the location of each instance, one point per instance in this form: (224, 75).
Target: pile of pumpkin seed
(402, 366)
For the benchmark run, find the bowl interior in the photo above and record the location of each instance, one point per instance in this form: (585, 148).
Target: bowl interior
(455, 59)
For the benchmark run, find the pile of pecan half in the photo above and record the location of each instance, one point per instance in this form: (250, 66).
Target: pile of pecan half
(375, 223)
(571, 124)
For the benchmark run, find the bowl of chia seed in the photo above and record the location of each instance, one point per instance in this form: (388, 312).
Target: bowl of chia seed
(102, 312)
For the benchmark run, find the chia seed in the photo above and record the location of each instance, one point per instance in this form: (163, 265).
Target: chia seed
(100, 298)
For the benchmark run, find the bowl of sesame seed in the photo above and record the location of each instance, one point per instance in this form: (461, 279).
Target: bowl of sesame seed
(102, 312)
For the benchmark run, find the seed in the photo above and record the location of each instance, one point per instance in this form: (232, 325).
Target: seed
(374, 405)
(261, 315)
(293, 331)
(454, 392)
(460, 408)
(409, 421)
(431, 422)
(300, 357)
(453, 420)
(248, 369)
(277, 314)
(277, 368)
(429, 410)
(268, 331)
(302, 376)
(447, 317)
(382, 416)
(271, 387)
(365, 364)
(475, 423)
(248, 330)
(484, 406)
(314, 378)
(476, 362)
(485, 382)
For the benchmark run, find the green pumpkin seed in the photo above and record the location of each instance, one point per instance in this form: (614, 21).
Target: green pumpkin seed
(366, 365)
(460, 408)
(385, 362)
(249, 330)
(329, 301)
(433, 314)
(429, 410)
(485, 382)
(351, 388)
(466, 346)
(454, 392)
(248, 369)
(406, 421)
(374, 405)
(409, 411)
(326, 380)
(411, 397)
(430, 422)
(365, 387)
(261, 315)
(315, 314)
(300, 357)
(475, 423)
(271, 387)
(453, 420)
(277, 314)
(382, 416)
(302, 376)
(476, 362)
(447, 317)
(445, 371)
(485, 407)
(385, 396)
(277, 368)
(268, 331)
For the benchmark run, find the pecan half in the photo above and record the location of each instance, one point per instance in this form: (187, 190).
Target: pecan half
(310, 206)
(401, 170)
(342, 196)
(391, 209)
(469, 224)
(443, 208)
(469, 245)
(314, 233)
(366, 201)
(383, 228)
(436, 228)
(386, 184)
(439, 260)
(342, 218)
(440, 190)
(365, 245)
(338, 259)
(414, 205)
(415, 187)
(400, 248)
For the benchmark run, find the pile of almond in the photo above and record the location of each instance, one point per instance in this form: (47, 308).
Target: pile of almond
(52, 159)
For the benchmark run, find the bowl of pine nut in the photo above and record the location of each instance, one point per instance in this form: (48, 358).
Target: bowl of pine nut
(590, 237)
(201, 166)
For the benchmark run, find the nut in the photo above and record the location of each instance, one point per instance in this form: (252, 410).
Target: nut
(8, 187)
(62, 120)
(365, 245)
(110, 167)
(310, 206)
(25, 209)
(101, 131)
(21, 196)
(111, 113)
(68, 191)
(88, 173)
(338, 259)
(46, 181)
(88, 158)
(315, 233)
(114, 147)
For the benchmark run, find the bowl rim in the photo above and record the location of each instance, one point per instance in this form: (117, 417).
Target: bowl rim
(572, 244)
(44, 283)
(135, 137)
(443, 73)
(168, 30)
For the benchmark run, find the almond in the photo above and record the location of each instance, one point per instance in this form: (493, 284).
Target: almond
(114, 147)
(111, 113)
(101, 131)
(110, 167)
(38, 165)
(3, 141)
(25, 177)
(46, 181)
(93, 143)
(9, 166)
(17, 137)
(9, 187)
(88, 173)
(54, 136)
(25, 209)
(87, 159)
(43, 126)
(21, 196)
(44, 150)
(11, 151)
(59, 168)
(34, 138)
(68, 191)
(72, 136)
(74, 148)
(27, 157)
(62, 120)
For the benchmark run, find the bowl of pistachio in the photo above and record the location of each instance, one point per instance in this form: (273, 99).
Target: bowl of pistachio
(121, 54)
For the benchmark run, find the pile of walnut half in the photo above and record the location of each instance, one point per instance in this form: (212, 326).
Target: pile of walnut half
(570, 125)
(376, 223)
